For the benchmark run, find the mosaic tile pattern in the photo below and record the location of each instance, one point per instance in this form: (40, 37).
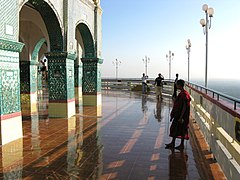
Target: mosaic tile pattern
(91, 75)
(10, 46)
(25, 76)
(10, 101)
(9, 76)
(61, 76)
(28, 76)
(78, 75)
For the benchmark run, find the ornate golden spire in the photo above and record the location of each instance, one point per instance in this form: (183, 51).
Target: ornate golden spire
(96, 2)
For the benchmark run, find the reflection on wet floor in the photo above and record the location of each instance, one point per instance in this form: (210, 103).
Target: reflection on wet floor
(176, 160)
(126, 142)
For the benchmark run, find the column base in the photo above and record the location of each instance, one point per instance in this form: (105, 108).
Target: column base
(93, 100)
(11, 127)
(15, 147)
(29, 104)
(78, 99)
(78, 96)
(62, 109)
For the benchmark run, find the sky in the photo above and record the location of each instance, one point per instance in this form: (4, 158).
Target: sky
(133, 29)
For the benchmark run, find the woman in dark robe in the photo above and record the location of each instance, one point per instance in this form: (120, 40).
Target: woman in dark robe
(180, 117)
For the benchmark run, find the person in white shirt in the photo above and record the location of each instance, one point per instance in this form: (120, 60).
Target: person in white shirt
(144, 83)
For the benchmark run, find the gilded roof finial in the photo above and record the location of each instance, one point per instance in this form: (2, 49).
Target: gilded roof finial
(96, 2)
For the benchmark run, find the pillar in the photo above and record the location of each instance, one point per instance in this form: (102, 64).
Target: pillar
(10, 111)
(61, 84)
(28, 87)
(78, 85)
(92, 82)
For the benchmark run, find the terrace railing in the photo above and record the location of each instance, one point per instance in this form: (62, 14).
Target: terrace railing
(136, 85)
(217, 95)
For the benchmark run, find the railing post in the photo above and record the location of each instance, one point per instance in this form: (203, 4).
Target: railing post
(129, 85)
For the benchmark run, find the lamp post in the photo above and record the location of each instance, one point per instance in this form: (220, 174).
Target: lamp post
(116, 64)
(206, 24)
(170, 58)
(146, 61)
(188, 48)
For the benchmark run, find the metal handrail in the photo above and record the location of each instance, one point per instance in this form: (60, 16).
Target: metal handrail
(218, 94)
(135, 81)
(205, 90)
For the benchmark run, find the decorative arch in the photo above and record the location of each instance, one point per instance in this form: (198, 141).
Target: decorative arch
(51, 20)
(88, 41)
(37, 48)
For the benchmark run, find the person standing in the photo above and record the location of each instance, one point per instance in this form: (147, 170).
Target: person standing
(144, 84)
(158, 86)
(180, 117)
(175, 88)
(43, 69)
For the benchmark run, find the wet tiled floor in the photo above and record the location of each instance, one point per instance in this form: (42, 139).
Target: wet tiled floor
(126, 140)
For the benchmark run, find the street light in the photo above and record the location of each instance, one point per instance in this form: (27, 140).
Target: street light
(206, 24)
(116, 63)
(170, 58)
(146, 61)
(188, 48)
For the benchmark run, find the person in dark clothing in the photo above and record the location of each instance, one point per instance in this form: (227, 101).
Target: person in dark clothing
(44, 69)
(158, 86)
(175, 88)
(180, 117)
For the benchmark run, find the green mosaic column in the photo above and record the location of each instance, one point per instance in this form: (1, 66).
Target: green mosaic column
(28, 87)
(39, 82)
(78, 85)
(61, 84)
(92, 82)
(10, 111)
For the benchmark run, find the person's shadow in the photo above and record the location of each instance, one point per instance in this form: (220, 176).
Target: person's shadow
(157, 111)
(178, 165)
